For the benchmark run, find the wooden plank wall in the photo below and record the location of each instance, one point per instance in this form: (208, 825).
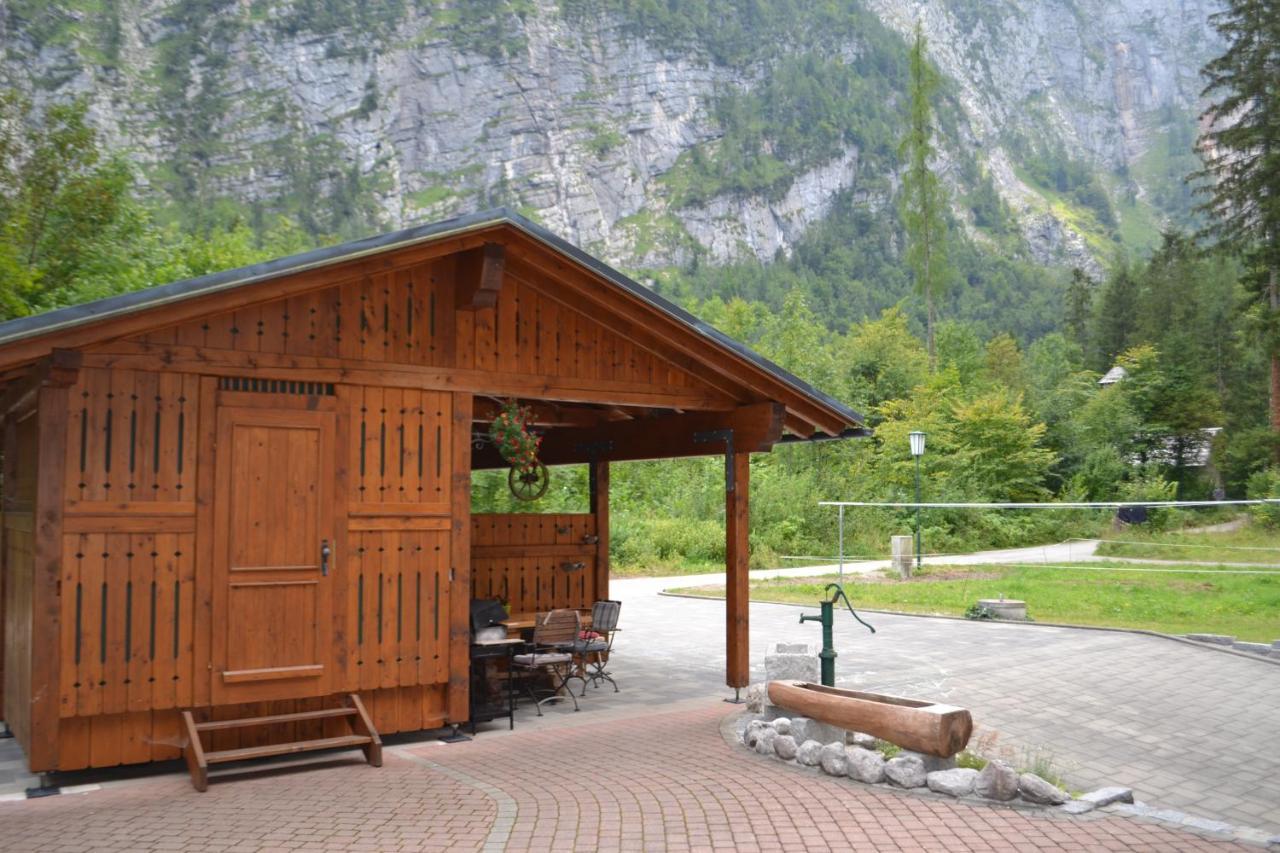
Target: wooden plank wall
(404, 317)
(19, 562)
(131, 623)
(534, 562)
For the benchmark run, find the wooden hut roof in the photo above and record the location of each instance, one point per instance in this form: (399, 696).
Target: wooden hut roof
(809, 412)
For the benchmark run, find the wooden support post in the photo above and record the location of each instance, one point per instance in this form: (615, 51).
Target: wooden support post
(459, 705)
(52, 413)
(480, 274)
(737, 561)
(600, 509)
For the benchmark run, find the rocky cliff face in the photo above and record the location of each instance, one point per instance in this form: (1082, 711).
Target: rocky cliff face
(579, 119)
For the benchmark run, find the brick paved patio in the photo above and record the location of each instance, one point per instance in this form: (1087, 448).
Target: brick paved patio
(641, 782)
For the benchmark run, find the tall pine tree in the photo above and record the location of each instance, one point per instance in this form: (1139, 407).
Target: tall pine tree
(924, 199)
(1241, 153)
(1077, 308)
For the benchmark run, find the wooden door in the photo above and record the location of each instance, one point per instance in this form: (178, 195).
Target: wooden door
(273, 587)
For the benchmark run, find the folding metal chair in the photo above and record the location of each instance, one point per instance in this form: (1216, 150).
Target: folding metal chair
(551, 636)
(591, 654)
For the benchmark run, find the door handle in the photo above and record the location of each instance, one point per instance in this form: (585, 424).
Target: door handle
(325, 552)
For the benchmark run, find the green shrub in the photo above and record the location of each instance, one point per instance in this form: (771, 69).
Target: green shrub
(1265, 484)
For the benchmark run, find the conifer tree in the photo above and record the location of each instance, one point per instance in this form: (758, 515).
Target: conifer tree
(1078, 308)
(924, 200)
(1241, 154)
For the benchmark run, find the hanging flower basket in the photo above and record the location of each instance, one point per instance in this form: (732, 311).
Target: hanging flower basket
(518, 447)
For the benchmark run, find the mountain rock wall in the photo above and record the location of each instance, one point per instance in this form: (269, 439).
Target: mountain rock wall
(577, 119)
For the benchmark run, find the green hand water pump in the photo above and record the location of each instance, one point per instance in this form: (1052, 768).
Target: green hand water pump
(827, 617)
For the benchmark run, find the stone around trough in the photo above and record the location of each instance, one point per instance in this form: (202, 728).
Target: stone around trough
(930, 762)
(809, 753)
(764, 742)
(997, 781)
(905, 771)
(864, 765)
(956, 782)
(803, 728)
(1037, 790)
(833, 759)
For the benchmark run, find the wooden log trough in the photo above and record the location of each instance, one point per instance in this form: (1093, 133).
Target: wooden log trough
(914, 724)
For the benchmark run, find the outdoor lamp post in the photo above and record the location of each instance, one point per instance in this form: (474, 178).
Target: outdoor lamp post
(917, 450)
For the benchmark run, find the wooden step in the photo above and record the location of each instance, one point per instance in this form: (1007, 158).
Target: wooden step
(363, 735)
(299, 717)
(343, 742)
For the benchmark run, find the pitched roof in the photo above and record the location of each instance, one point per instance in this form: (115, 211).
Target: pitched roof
(29, 329)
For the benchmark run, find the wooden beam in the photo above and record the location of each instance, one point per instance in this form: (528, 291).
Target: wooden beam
(458, 708)
(56, 370)
(220, 362)
(737, 563)
(755, 430)
(486, 409)
(598, 479)
(480, 274)
(52, 411)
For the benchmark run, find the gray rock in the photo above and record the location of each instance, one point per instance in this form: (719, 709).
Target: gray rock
(1275, 644)
(791, 662)
(803, 728)
(956, 782)
(758, 703)
(809, 753)
(1036, 790)
(1255, 648)
(931, 763)
(997, 781)
(833, 759)
(1216, 639)
(905, 771)
(764, 743)
(862, 739)
(784, 746)
(865, 765)
(782, 726)
(752, 733)
(1078, 807)
(755, 698)
(1107, 796)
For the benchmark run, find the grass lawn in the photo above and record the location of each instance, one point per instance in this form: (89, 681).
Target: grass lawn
(1250, 544)
(1207, 600)
(662, 570)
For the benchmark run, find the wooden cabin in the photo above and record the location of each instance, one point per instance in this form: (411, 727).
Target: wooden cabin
(248, 494)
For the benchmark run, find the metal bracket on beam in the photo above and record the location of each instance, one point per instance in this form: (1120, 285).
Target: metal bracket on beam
(725, 435)
(593, 449)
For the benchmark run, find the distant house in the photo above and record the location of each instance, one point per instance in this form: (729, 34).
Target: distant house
(1113, 376)
(1190, 451)
(1187, 451)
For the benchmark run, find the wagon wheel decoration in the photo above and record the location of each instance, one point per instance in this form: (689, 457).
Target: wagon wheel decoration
(518, 446)
(529, 485)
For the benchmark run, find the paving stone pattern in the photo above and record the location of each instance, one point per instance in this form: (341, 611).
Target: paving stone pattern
(644, 782)
(1187, 727)
(669, 781)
